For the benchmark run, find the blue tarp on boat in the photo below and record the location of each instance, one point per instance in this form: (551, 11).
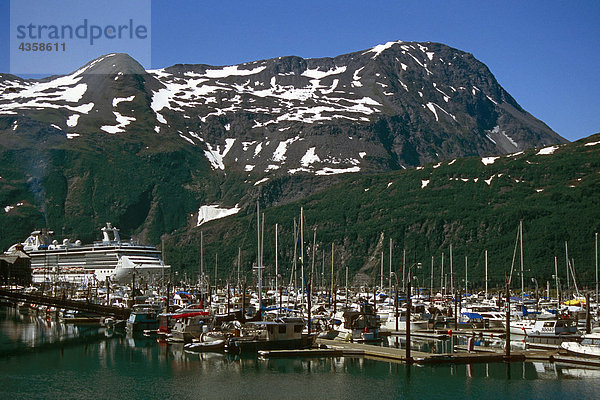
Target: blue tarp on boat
(472, 315)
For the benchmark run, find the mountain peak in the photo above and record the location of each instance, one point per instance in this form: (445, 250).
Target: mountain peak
(112, 64)
(395, 105)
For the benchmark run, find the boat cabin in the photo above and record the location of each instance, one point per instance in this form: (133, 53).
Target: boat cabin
(285, 328)
(554, 327)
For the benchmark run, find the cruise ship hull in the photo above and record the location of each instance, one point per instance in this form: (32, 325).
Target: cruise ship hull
(111, 258)
(118, 263)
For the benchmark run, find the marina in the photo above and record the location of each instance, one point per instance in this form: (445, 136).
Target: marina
(50, 360)
(180, 326)
(256, 200)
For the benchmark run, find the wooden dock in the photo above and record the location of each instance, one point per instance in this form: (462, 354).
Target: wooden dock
(335, 348)
(117, 312)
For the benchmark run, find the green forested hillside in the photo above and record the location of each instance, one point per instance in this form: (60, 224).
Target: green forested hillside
(464, 203)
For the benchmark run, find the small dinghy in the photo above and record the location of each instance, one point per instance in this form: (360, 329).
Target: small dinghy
(215, 345)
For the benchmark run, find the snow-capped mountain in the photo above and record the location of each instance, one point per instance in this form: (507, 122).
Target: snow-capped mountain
(393, 106)
(160, 150)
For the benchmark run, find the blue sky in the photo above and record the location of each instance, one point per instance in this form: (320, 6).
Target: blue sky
(544, 53)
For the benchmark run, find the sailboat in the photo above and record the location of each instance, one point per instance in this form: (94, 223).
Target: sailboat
(285, 333)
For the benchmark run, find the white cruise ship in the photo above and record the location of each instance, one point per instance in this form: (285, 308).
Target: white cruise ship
(80, 263)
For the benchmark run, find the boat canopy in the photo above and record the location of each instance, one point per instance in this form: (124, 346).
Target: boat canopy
(472, 315)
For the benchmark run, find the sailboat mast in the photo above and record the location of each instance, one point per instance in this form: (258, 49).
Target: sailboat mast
(331, 293)
(162, 257)
(521, 255)
(347, 286)
(295, 262)
(451, 272)
(312, 267)
(259, 256)
(431, 288)
(596, 248)
(276, 259)
(486, 274)
(466, 275)
(381, 277)
(323, 271)
(302, 253)
(442, 283)
(567, 267)
(403, 268)
(391, 276)
(556, 280)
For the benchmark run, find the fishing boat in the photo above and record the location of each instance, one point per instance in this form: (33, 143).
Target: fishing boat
(361, 325)
(552, 332)
(326, 327)
(189, 325)
(417, 322)
(281, 334)
(75, 262)
(491, 315)
(143, 317)
(553, 327)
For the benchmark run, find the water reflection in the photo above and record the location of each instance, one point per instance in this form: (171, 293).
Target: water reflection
(149, 368)
(446, 345)
(20, 331)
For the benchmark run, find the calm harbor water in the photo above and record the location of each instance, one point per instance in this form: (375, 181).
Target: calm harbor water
(44, 359)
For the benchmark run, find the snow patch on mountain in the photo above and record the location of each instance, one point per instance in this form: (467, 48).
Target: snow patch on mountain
(547, 151)
(279, 154)
(72, 120)
(44, 94)
(309, 157)
(213, 212)
(263, 180)
(488, 160)
(380, 48)
(431, 108)
(122, 122)
(215, 157)
(231, 71)
(318, 74)
(118, 100)
(334, 171)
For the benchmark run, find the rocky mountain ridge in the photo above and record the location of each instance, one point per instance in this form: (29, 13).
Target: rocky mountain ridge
(148, 149)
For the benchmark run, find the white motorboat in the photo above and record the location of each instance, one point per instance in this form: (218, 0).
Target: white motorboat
(214, 345)
(589, 345)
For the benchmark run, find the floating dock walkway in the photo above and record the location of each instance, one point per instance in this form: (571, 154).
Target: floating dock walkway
(335, 348)
(117, 312)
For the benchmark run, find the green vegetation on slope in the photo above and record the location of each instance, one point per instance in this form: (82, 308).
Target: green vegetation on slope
(464, 203)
